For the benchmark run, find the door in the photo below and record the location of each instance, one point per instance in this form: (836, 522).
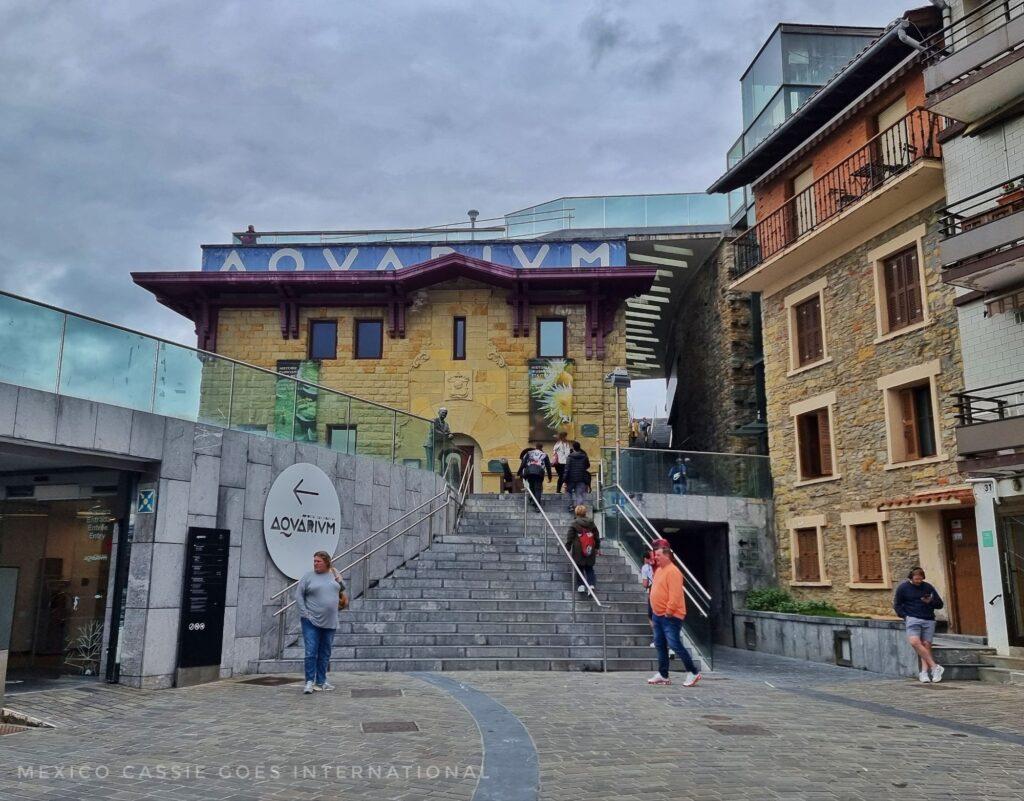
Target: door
(966, 604)
(466, 452)
(805, 208)
(1011, 541)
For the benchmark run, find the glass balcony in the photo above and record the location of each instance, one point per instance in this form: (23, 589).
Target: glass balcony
(731, 475)
(618, 211)
(55, 351)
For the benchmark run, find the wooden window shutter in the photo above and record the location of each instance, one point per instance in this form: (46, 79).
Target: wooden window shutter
(912, 287)
(807, 440)
(810, 343)
(807, 565)
(908, 425)
(869, 553)
(903, 300)
(824, 443)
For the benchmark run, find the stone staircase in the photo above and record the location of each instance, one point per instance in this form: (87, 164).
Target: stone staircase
(963, 656)
(484, 599)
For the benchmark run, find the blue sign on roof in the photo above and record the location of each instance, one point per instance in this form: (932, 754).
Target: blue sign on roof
(310, 258)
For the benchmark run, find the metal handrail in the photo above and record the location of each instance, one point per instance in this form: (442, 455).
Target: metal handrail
(648, 543)
(347, 551)
(368, 554)
(529, 496)
(650, 525)
(959, 30)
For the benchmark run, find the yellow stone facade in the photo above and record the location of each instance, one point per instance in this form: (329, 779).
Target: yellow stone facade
(486, 393)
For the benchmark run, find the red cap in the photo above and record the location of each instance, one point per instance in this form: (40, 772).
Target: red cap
(661, 543)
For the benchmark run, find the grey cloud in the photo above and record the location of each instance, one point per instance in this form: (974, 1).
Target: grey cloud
(132, 132)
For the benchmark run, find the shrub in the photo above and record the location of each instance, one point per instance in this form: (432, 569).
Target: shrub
(773, 599)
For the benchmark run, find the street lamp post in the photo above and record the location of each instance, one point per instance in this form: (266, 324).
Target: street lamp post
(619, 379)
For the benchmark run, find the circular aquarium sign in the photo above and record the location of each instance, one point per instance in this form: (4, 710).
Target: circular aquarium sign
(302, 516)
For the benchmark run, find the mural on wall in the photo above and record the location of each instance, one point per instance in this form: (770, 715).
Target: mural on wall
(295, 405)
(551, 399)
(310, 258)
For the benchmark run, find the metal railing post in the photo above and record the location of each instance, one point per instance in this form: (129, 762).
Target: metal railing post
(526, 511)
(604, 640)
(280, 630)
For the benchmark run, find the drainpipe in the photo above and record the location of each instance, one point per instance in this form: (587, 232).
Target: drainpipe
(907, 39)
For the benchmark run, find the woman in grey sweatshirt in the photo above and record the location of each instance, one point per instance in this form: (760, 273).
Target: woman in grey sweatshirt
(316, 595)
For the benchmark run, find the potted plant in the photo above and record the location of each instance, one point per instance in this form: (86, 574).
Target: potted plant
(1013, 192)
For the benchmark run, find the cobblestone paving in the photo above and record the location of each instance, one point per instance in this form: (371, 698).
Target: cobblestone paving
(758, 728)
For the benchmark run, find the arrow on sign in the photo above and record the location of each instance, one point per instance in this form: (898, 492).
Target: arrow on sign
(299, 492)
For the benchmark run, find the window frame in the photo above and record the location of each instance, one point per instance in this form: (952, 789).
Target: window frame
(878, 258)
(802, 410)
(455, 338)
(346, 427)
(792, 302)
(309, 338)
(565, 337)
(893, 387)
(796, 525)
(355, 338)
(852, 521)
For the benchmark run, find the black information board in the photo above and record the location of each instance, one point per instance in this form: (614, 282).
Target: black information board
(202, 605)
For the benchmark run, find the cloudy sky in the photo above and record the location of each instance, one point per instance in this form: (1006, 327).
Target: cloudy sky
(132, 131)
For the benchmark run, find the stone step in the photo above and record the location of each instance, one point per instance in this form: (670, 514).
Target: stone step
(589, 615)
(1007, 662)
(434, 665)
(582, 626)
(608, 578)
(342, 650)
(962, 655)
(525, 589)
(1000, 675)
(482, 604)
(592, 638)
(526, 598)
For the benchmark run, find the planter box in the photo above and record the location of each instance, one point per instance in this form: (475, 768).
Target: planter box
(879, 646)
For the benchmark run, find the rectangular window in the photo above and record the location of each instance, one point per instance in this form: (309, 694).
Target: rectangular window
(459, 338)
(808, 566)
(551, 338)
(868, 551)
(369, 339)
(917, 422)
(814, 441)
(341, 438)
(903, 302)
(810, 346)
(323, 339)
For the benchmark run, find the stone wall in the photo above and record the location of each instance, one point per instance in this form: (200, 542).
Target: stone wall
(210, 477)
(715, 353)
(879, 646)
(859, 357)
(486, 393)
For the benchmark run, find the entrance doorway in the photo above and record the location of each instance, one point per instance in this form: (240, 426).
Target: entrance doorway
(1011, 541)
(62, 552)
(966, 603)
(466, 452)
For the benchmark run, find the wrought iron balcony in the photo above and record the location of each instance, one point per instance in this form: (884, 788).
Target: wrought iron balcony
(883, 159)
(984, 244)
(990, 419)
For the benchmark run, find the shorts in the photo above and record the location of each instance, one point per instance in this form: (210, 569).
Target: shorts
(918, 627)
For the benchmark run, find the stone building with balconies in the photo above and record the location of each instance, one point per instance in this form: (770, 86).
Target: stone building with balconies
(861, 347)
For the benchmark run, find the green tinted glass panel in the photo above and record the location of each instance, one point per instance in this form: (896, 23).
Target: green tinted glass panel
(107, 364)
(30, 341)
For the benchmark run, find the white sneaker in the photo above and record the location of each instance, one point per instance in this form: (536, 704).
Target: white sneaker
(326, 687)
(923, 677)
(308, 689)
(937, 672)
(653, 645)
(691, 679)
(581, 588)
(657, 678)
(671, 654)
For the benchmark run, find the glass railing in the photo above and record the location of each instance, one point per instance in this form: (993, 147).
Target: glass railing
(627, 526)
(49, 349)
(735, 475)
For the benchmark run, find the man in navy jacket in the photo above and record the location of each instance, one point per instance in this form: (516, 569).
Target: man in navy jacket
(916, 601)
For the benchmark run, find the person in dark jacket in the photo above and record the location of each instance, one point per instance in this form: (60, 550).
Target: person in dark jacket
(577, 468)
(916, 601)
(534, 463)
(584, 559)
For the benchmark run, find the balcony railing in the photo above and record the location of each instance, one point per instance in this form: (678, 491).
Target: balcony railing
(49, 349)
(882, 159)
(731, 475)
(990, 404)
(971, 26)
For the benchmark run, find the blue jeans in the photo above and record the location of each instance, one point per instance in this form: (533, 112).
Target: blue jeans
(318, 644)
(578, 494)
(666, 635)
(588, 573)
(678, 487)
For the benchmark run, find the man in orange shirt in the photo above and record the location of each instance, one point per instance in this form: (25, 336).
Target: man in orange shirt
(669, 606)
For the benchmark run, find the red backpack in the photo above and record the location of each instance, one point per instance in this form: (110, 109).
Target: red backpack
(587, 542)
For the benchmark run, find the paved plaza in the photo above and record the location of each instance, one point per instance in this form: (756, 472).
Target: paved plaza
(759, 727)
